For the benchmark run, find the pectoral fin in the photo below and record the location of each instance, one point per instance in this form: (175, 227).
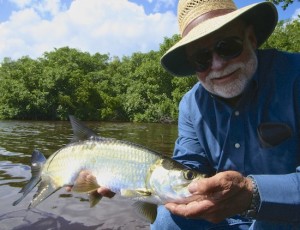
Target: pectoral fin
(85, 183)
(94, 198)
(146, 211)
(135, 193)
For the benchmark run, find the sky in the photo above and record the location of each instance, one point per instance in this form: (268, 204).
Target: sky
(114, 27)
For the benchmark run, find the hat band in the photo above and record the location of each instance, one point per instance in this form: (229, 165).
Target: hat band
(204, 17)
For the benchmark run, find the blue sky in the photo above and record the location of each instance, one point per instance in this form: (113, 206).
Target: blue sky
(164, 5)
(115, 27)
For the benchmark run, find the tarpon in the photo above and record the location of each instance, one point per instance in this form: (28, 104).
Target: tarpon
(126, 168)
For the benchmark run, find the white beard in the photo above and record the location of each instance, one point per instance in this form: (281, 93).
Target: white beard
(234, 88)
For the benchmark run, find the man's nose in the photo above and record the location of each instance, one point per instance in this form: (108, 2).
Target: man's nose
(217, 62)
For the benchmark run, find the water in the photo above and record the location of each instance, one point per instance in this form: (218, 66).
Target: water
(65, 210)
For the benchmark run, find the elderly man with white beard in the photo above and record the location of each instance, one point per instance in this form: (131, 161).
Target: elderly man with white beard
(240, 123)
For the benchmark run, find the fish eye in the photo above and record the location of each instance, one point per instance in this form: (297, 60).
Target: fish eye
(189, 175)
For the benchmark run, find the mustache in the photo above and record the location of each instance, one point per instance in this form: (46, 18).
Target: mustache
(228, 70)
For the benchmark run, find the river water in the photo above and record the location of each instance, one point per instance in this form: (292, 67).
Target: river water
(64, 210)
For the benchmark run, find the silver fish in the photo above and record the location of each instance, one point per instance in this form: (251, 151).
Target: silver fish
(125, 168)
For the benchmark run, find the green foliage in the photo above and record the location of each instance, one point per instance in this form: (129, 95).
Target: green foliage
(285, 37)
(21, 88)
(284, 3)
(99, 87)
(51, 87)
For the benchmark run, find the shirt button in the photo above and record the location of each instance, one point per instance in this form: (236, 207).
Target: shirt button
(237, 145)
(236, 113)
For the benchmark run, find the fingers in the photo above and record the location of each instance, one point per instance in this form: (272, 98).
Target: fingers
(199, 186)
(194, 209)
(106, 192)
(101, 190)
(220, 183)
(215, 198)
(68, 188)
(206, 186)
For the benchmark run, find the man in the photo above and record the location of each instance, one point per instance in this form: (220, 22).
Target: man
(240, 124)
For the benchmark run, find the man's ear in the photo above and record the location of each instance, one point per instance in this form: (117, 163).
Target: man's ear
(251, 36)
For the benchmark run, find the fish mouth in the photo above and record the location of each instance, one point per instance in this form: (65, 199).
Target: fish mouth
(178, 188)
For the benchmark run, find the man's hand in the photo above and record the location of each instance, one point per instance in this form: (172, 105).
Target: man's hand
(105, 192)
(216, 198)
(101, 190)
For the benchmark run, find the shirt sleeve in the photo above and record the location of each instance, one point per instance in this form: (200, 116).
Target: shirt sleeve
(188, 149)
(280, 197)
(280, 193)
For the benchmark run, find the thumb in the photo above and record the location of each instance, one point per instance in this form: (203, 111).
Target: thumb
(198, 187)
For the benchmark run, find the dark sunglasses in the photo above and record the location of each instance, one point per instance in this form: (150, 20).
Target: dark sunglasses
(226, 48)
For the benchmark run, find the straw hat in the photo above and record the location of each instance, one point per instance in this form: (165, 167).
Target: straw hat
(198, 18)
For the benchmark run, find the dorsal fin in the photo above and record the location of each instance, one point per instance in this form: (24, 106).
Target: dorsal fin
(80, 131)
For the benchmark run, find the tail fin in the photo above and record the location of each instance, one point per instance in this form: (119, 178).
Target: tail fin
(37, 161)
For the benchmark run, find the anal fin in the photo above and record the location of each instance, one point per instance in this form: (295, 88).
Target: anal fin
(45, 189)
(146, 211)
(27, 189)
(37, 162)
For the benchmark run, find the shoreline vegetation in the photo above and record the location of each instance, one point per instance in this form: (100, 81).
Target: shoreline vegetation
(102, 88)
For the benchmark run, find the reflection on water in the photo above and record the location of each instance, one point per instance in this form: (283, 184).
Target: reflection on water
(66, 210)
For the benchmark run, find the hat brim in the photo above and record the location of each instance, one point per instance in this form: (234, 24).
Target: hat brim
(263, 16)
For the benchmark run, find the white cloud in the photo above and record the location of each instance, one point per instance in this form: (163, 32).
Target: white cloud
(164, 4)
(53, 7)
(21, 3)
(117, 27)
(41, 6)
(296, 14)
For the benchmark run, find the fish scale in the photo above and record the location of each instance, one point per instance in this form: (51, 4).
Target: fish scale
(102, 159)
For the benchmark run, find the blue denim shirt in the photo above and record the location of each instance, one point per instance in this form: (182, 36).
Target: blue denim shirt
(214, 136)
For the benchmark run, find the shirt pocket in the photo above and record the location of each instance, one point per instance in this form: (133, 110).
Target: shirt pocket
(272, 134)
